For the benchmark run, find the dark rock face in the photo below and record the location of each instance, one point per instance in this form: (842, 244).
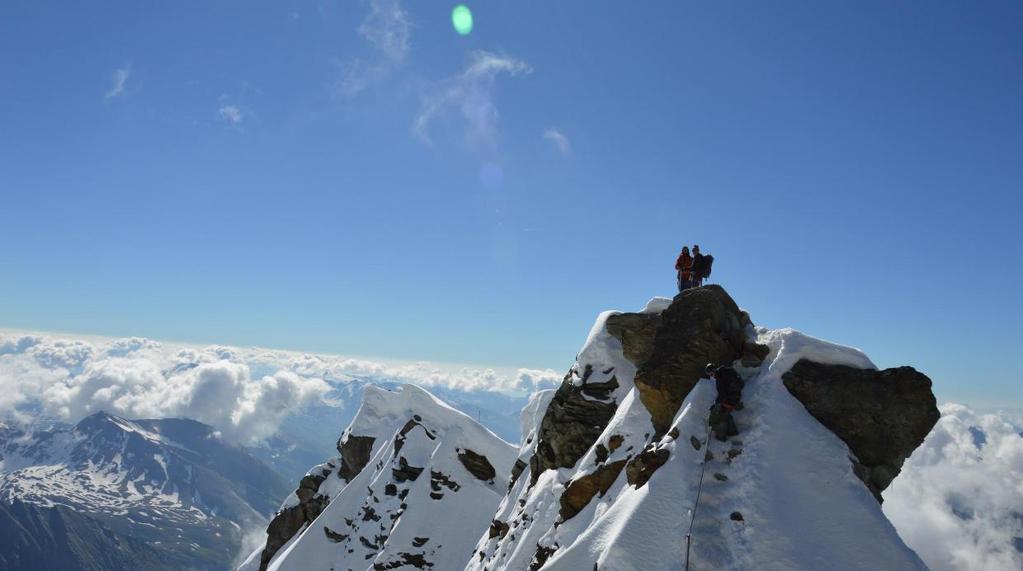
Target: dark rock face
(498, 528)
(580, 491)
(355, 451)
(477, 465)
(702, 325)
(881, 415)
(642, 467)
(570, 426)
(404, 472)
(516, 472)
(290, 521)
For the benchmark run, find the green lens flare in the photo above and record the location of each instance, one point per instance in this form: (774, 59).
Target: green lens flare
(461, 19)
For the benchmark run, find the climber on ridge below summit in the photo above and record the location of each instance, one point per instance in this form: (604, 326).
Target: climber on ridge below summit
(729, 385)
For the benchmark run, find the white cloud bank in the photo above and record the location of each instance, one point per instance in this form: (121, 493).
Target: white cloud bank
(959, 499)
(245, 393)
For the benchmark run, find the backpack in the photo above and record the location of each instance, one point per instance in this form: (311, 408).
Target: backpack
(708, 261)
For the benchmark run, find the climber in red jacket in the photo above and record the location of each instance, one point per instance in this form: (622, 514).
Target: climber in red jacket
(684, 267)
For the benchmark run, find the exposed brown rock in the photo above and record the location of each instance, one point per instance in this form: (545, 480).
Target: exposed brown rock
(498, 528)
(702, 325)
(580, 491)
(881, 415)
(642, 467)
(636, 331)
(570, 426)
(287, 522)
(615, 442)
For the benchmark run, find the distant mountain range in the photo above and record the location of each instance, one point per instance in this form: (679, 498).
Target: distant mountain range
(168, 491)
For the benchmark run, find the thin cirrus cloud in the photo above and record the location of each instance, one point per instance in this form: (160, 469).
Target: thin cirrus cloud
(120, 82)
(388, 32)
(473, 94)
(231, 114)
(559, 140)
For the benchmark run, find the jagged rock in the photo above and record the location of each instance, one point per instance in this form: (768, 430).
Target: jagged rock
(600, 451)
(543, 553)
(404, 472)
(580, 491)
(640, 468)
(570, 426)
(736, 516)
(498, 528)
(720, 477)
(416, 560)
(333, 535)
(753, 354)
(702, 325)
(419, 541)
(881, 415)
(288, 521)
(615, 442)
(695, 442)
(516, 472)
(477, 465)
(355, 451)
(636, 331)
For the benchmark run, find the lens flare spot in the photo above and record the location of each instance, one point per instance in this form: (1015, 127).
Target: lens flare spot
(461, 19)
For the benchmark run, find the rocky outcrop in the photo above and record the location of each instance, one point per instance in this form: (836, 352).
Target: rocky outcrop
(702, 325)
(636, 331)
(290, 520)
(571, 425)
(643, 466)
(477, 465)
(355, 451)
(881, 415)
(580, 491)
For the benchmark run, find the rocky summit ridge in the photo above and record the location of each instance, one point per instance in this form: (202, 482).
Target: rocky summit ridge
(616, 468)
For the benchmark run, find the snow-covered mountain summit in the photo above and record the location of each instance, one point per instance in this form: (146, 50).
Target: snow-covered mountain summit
(414, 485)
(617, 469)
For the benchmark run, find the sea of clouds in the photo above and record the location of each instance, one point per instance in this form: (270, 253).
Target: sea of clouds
(244, 393)
(959, 499)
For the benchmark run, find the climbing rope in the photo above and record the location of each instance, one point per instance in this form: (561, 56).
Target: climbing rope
(699, 491)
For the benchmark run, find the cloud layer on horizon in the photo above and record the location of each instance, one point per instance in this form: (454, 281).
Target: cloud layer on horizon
(245, 393)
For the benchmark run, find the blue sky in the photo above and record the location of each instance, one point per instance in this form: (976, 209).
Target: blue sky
(357, 178)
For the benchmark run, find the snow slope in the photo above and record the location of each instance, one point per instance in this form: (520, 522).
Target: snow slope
(786, 476)
(415, 503)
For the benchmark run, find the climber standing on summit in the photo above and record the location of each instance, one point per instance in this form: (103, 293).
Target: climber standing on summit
(684, 267)
(701, 266)
(729, 385)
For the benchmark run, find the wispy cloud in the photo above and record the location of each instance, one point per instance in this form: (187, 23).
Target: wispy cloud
(388, 31)
(120, 81)
(473, 94)
(559, 139)
(231, 114)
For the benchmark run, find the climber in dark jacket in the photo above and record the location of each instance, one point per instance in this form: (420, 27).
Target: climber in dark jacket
(699, 266)
(729, 385)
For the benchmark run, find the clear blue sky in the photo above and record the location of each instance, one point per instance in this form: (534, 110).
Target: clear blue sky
(356, 177)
